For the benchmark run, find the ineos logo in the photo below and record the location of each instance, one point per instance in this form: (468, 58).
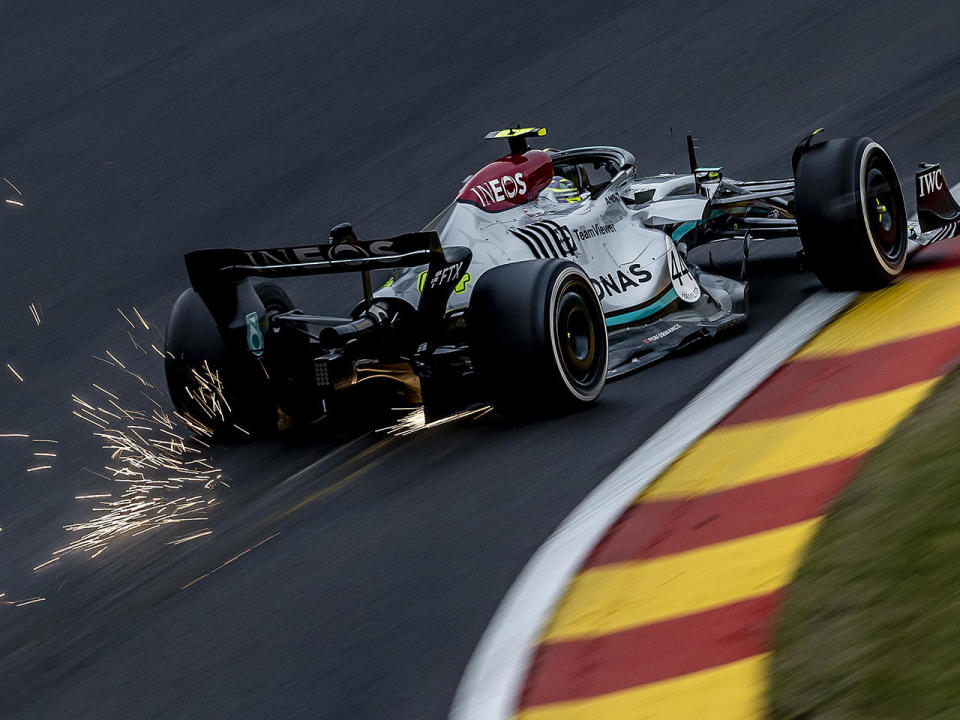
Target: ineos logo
(500, 189)
(343, 252)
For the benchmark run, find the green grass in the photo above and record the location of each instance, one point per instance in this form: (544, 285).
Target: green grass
(871, 625)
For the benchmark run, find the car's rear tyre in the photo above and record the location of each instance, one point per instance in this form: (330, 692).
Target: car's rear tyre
(850, 212)
(274, 298)
(538, 338)
(221, 392)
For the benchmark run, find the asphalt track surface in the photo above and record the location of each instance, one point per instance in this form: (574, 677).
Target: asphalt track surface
(138, 131)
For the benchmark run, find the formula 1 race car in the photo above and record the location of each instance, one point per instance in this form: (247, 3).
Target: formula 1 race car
(550, 273)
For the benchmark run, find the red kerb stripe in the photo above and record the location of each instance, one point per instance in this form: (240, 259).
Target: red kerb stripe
(809, 384)
(584, 668)
(663, 527)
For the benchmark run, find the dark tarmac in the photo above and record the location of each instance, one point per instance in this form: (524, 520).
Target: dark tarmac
(138, 131)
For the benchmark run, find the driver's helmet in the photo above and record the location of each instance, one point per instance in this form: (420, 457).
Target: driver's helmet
(563, 191)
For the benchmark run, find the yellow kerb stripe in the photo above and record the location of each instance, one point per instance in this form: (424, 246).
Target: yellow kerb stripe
(740, 454)
(736, 691)
(917, 305)
(610, 598)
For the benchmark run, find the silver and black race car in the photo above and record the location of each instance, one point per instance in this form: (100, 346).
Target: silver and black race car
(550, 273)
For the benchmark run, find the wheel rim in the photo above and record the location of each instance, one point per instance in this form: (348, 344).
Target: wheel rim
(883, 214)
(577, 336)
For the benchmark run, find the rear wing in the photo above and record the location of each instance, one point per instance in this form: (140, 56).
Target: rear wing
(344, 253)
(221, 276)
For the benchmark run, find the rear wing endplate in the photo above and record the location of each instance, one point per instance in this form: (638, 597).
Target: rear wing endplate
(936, 206)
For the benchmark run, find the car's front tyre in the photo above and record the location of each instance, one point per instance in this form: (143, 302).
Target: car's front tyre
(538, 337)
(850, 213)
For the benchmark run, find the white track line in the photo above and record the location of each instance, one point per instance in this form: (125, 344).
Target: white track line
(494, 677)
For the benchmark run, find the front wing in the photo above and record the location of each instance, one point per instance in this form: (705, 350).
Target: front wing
(680, 326)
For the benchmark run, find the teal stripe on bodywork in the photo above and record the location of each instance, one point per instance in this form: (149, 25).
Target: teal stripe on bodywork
(643, 312)
(683, 230)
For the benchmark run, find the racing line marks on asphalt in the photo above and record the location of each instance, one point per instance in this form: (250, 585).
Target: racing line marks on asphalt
(294, 482)
(343, 482)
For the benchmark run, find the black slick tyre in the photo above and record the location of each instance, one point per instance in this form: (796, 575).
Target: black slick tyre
(215, 389)
(274, 298)
(538, 338)
(850, 213)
